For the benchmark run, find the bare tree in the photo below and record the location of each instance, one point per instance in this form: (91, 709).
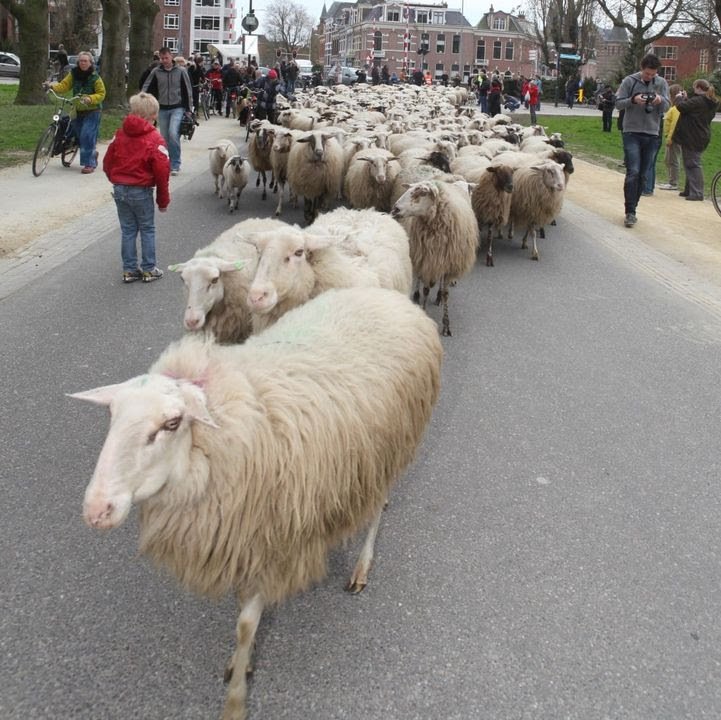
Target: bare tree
(702, 17)
(115, 34)
(142, 15)
(78, 25)
(648, 21)
(288, 24)
(32, 19)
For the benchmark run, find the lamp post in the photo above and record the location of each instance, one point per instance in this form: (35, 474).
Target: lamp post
(249, 24)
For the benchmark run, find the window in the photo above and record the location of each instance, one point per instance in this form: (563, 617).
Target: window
(172, 2)
(703, 60)
(207, 23)
(171, 21)
(208, 3)
(377, 40)
(499, 23)
(456, 48)
(509, 50)
(201, 46)
(425, 42)
(171, 43)
(497, 49)
(668, 73)
(438, 18)
(666, 52)
(422, 17)
(440, 43)
(393, 16)
(481, 50)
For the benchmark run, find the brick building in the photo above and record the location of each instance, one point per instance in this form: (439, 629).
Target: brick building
(685, 56)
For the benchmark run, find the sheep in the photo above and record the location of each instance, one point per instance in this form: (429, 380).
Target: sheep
(443, 236)
(345, 248)
(219, 154)
(216, 281)
(279, 153)
(491, 202)
(236, 172)
(259, 146)
(369, 179)
(315, 170)
(537, 199)
(249, 464)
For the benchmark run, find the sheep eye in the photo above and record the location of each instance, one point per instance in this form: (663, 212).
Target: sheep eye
(173, 423)
(214, 280)
(299, 252)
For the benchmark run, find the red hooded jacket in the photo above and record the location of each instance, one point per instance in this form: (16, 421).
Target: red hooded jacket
(137, 155)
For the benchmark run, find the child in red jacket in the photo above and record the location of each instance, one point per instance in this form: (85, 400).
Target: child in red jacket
(136, 161)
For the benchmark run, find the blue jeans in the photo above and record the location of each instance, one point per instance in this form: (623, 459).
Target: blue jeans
(136, 213)
(639, 152)
(169, 127)
(483, 102)
(86, 126)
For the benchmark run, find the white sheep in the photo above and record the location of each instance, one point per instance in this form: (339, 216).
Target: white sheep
(350, 248)
(536, 200)
(236, 172)
(369, 179)
(219, 154)
(216, 281)
(279, 154)
(315, 170)
(443, 236)
(491, 202)
(250, 462)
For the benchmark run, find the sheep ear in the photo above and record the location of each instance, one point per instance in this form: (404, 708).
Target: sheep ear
(231, 265)
(195, 403)
(491, 168)
(315, 242)
(303, 139)
(178, 267)
(100, 395)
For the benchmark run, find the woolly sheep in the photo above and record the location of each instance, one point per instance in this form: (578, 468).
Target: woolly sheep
(369, 179)
(491, 202)
(350, 249)
(249, 464)
(219, 154)
(216, 281)
(315, 170)
(259, 145)
(236, 172)
(537, 199)
(442, 234)
(279, 154)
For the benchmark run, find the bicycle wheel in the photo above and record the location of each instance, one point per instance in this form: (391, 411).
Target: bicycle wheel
(44, 150)
(70, 150)
(716, 192)
(205, 105)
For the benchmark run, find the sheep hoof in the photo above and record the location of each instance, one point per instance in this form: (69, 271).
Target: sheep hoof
(356, 586)
(446, 331)
(489, 260)
(416, 297)
(534, 257)
(228, 674)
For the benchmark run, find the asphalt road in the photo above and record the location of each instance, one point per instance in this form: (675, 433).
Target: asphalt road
(552, 553)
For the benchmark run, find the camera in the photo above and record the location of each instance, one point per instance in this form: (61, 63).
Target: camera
(648, 98)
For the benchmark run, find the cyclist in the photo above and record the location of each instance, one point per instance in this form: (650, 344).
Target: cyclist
(231, 82)
(196, 73)
(215, 76)
(84, 80)
(268, 86)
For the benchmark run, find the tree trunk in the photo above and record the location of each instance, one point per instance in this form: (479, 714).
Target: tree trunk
(32, 19)
(115, 34)
(142, 14)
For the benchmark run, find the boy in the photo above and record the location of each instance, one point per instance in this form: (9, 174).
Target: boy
(136, 161)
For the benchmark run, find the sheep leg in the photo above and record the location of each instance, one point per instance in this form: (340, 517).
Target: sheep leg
(510, 230)
(308, 210)
(245, 630)
(439, 294)
(359, 578)
(280, 198)
(524, 242)
(534, 253)
(426, 290)
(417, 292)
(542, 232)
(446, 331)
(265, 180)
(489, 252)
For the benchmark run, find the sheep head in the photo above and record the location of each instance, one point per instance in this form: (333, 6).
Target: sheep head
(148, 443)
(203, 281)
(551, 174)
(502, 177)
(417, 201)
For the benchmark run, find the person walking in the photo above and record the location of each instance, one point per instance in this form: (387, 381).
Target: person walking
(643, 96)
(571, 90)
(532, 91)
(494, 97)
(137, 161)
(83, 80)
(672, 153)
(170, 85)
(484, 86)
(693, 133)
(606, 103)
(196, 73)
(215, 76)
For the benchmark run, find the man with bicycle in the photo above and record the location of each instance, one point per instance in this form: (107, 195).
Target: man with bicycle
(196, 73)
(170, 85)
(231, 83)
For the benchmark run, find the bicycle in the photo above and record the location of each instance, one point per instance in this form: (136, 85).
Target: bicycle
(58, 138)
(716, 191)
(205, 99)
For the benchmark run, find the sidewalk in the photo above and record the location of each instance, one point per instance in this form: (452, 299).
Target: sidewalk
(49, 219)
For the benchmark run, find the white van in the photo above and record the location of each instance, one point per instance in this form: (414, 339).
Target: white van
(305, 69)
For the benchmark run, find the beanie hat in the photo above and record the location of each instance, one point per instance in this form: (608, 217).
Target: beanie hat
(272, 74)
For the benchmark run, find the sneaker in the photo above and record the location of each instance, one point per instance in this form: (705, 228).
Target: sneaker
(647, 193)
(630, 219)
(154, 274)
(683, 194)
(87, 170)
(667, 186)
(175, 171)
(132, 276)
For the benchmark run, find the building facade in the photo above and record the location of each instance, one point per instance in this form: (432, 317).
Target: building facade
(686, 56)
(435, 38)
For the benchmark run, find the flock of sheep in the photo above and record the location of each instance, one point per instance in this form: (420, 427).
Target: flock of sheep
(275, 428)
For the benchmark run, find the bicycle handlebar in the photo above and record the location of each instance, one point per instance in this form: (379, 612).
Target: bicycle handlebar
(62, 98)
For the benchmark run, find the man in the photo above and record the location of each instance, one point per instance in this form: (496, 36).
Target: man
(231, 83)
(196, 73)
(643, 96)
(170, 84)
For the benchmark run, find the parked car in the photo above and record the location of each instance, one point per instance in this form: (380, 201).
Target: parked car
(9, 64)
(305, 70)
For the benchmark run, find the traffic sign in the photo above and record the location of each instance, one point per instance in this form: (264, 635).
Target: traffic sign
(565, 56)
(249, 23)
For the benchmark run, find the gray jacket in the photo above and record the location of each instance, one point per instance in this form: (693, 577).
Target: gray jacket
(171, 87)
(635, 118)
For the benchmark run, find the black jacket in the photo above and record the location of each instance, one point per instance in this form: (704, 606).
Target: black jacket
(693, 128)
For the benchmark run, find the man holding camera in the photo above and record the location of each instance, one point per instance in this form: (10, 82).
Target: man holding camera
(644, 99)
